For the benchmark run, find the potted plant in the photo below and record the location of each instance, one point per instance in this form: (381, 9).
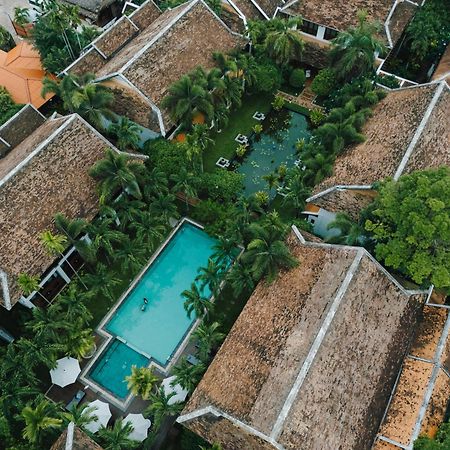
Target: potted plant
(241, 151)
(22, 22)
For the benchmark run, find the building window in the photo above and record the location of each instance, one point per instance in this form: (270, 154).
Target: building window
(309, 27)
(330, 34)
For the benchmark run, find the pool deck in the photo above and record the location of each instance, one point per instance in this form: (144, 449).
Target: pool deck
(185, 347)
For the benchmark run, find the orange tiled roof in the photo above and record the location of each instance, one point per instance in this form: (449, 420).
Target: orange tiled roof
(21, 73)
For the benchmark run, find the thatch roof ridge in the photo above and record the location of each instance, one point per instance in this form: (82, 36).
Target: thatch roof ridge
(282, 352)
(73, 438)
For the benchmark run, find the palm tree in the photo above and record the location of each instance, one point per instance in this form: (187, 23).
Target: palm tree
(224, 251)
(284, 43)
(141, 381)
(159, 407)
(104, 236)
(233, 91)
(39, 420)
(318, 167)
(71, 303)
(78, 341)
(164, 206)
(353, 51)
(47, 324)
(117, 437)
(241, 279)
(208, 337)
(195, 302)
(29, 284)
(126, 132)
(35, 353)
(184, 182)
(210, 276)
(117, 173)
(128, 211)
(149, 229)
(155, 183)
(185, 99)
(55, 244)
(296, 192)
(197, 142)
(102, 280)
(350, 232)
(81, 95)
(272, 181)
(131, 254)
(188, 375)
(80, 415)
(267, 253)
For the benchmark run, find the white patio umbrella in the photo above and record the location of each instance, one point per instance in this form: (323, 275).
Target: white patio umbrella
(180, 393)
(66, 371)
(140, 426)
(103, 414)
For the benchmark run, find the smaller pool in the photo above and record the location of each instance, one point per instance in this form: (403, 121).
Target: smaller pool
(114, 365)
(273, 147)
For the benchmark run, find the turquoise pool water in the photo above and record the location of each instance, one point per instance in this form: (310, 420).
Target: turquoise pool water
(156, 332)
(114, 365)
(273, 147)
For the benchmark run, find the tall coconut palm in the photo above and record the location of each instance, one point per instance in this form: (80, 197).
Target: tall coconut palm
(35, 353)
(208, 337)
(155, 183)
(47, 323)
(284, 43)
(117, 173)
(185, 99)
(353, 51)
(241, 279)
(29, 284)
(296, 192)
(272, 181)
(71, 303)
(141, 381)
(131, 254)
(225, 251)
(78, 341)
(210, 276)
(128, 211)
(184, 182)
(350, 232)
(102, 281)
(233, 92)
(104, 236)
(195, 302)
(164, 206)
(159, 407)
(188, 375)
(149, 229)
(80, 415)
(197, 142)
(39, 420)
(267, 253)
(117, 437)
(126, 132)
(318, 167)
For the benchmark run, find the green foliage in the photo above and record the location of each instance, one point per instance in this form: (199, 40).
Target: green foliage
(352, 53)
(213, 215)
(6, 40)
(257, 129)
(429, 31)
(297, 78)
(278, 103)
(221, 185)
(241, 150)
(388, 80)
(262, 198)
(126, 132)
(317, 116)
(141, 381)
(440, 442)
(165, 155)
(324, 82)
(410, 223)
(7, 106)
(267, 77)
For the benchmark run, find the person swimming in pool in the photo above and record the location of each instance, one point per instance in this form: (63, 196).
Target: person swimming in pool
(145, 301)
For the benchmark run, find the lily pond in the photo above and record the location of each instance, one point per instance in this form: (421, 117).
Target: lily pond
(274, 146)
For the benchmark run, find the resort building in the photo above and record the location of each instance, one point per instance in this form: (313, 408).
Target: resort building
(44, 167)
(409, 130)
(312, 360)
(72, 438)
(142, 54)
(21, 73)
(99, 12)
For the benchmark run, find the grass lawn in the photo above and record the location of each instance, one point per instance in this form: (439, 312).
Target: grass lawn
(241, 121)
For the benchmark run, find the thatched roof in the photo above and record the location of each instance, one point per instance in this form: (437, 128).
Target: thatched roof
(409, 130)
(343, 14)
(72, 438)
(154, 57)
(423, 390)
(44, 174)
(90, 8)
(311, 360)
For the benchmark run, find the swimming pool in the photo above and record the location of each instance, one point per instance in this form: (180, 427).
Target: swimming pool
(154, 334)
(273, 147)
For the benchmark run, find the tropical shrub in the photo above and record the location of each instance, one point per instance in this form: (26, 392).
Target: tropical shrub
(317, 117)
(278, 103)
(297, 78)
(324, 83)
(221, 185)
(257, 128)
(241, 150)
(266, 76)
(409, 221)
(165, 155)
(388, 80)
(214, 215)
(262, 198)
(440, 442)
(7, 106)
(6, 40)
